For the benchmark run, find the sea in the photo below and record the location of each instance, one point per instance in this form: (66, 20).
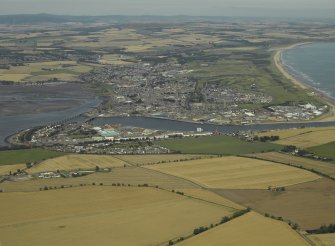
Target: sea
(313, 64)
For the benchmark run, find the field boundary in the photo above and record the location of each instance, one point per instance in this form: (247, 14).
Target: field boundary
(171, 175)
(291, 165)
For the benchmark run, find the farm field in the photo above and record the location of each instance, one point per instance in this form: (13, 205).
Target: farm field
(129, 175)
(124, 216)
(310, 205)
(210, 70)
(320, 166)
(236, 173)
(153, 159)
(133, 41)
(325, 150)
(303, 137)
(41, 71)
(323, 239)
(209, 196)
(256, 230)
(5, 169)
(77, 162)
(223, 145)
(9, 157)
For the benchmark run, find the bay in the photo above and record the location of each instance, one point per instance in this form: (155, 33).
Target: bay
(313, 64)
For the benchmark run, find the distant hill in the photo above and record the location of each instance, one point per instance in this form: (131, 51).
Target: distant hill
(34, 18)
(48, 18)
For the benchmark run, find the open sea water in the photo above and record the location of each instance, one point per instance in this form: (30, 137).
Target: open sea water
(313, 64)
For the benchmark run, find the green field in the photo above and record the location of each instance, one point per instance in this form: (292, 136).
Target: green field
(220, 145)
(324, 150)
(9, 157)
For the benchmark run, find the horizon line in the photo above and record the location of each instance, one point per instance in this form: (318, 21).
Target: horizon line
(177, 15)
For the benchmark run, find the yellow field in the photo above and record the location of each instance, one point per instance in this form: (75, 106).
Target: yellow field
(103, 215)
(129, 175)
(305, 137)
(153, 159)
(112, 59)
(247, 48)
(323, 239)
(209, 196)
(320, 166)
(252, 230)
(236, 173)
(12, 77)
(112, 37)
(194, 38)
(76, 162)
(5, 169)
(132, 41)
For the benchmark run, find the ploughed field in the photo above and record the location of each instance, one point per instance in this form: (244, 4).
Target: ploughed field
(117, 215)
(236, 173)
(209, 196)
(310, 205)
(184, 193)
(250, 229)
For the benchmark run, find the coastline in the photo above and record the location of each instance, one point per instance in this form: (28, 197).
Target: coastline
(277, 58)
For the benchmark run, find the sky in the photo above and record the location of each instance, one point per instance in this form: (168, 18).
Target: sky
(260, 8)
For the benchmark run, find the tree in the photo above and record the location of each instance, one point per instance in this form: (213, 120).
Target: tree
(274, 138)
(225, 219)
(29, 164)
(295, 226)
(303, 152)
(289, 148)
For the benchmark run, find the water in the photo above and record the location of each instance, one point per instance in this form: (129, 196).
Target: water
(313, 64)
(23, 107)
(173, 125)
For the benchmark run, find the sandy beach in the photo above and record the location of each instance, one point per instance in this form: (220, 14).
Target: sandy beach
(330, 116)
(279, 64)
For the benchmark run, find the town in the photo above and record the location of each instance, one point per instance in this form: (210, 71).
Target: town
(169, 91)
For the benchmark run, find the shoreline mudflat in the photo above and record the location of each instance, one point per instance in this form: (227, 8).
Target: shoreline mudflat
(330, 116)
